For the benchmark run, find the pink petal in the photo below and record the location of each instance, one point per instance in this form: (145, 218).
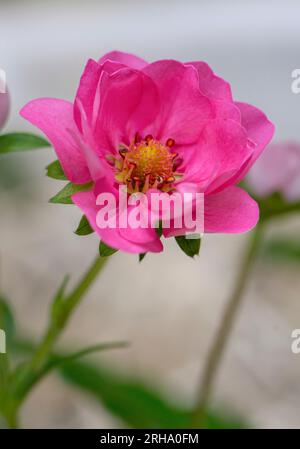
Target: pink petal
(230, 211)
(143, 236)
(129, 102)
(181, 189)
(88, 93)
(222, 148)
(126, 59)
(210, 84)
(55, 118)
(184, 110)
(259, 130)
(86, 201)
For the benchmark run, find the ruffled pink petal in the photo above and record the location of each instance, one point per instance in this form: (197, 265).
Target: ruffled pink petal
(210, 84)
(179, 227)
(227, 110)
(129, 102)
(222, 148)
(126, 59)
(259, 132)
(88, 92)
(86, 201)
(143, 236)
(230, 211)
(55, 118)
(184, 109)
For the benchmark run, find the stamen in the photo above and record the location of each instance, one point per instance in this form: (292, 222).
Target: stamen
(146, 164)
(148, 138)
(178, 161)
(170, 179)
(137, 137)
(147, 183)
(132, 166)
(170, 143)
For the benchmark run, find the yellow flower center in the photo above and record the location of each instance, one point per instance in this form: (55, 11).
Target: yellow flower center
(147, 164)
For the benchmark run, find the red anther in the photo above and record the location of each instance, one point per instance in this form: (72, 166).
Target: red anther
(170, 142)
(160, 179)
(137, 137)
(148, 138)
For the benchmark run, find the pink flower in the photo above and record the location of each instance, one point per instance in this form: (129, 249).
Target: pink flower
(277, 170)
(200, 139)
(4, 108)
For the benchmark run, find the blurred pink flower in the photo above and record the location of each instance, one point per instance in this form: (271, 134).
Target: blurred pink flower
(4, 108)
(164, 126)
(277, 170)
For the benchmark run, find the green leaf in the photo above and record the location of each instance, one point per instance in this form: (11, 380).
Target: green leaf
(190, 246)
(15, 142)
(59, 300)
(84, 227)
(57, 360)
(141, 256)
(129, 398)
(137, 404)
(159, 229)
(281, 250)
(64, 195)
(55, 171)
(105, 250)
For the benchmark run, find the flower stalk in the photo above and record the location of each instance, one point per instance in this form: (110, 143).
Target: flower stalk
(31, 372)
(222, 337)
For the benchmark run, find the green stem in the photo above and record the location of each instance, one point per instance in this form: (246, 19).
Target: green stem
(34, 370)
(71, 302)
(222, 337)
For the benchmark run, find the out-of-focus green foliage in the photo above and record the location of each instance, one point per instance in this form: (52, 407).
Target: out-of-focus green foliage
(276, 206)
(135, 403)
(128, 398)
(281, 250)
(16, 142)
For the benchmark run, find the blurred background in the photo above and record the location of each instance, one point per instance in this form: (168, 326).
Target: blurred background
(167, 307)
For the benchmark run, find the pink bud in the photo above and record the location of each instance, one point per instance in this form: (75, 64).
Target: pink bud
(277, 170)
